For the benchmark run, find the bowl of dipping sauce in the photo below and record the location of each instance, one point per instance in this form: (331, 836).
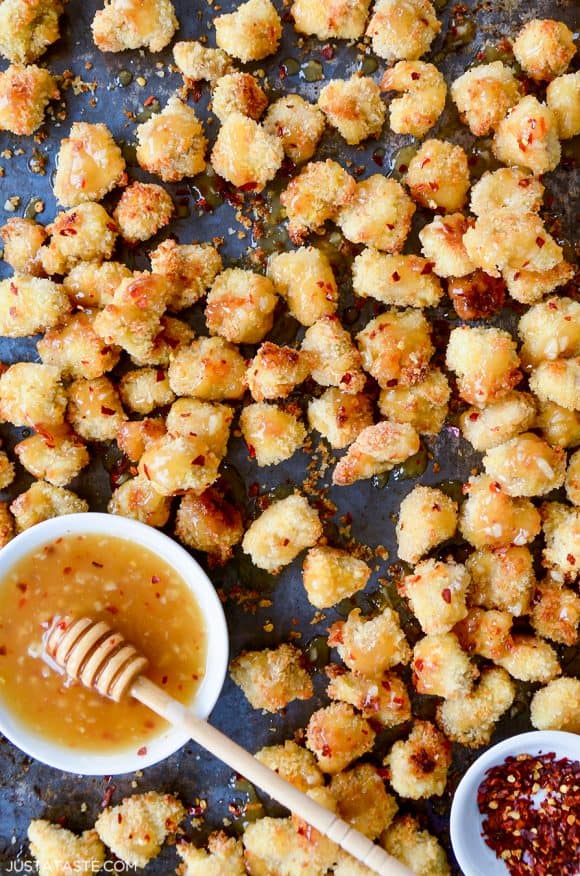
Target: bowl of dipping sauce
(515, 810)
(145, 586)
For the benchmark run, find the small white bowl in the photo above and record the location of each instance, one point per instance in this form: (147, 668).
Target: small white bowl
(474, 857)
(90, 763)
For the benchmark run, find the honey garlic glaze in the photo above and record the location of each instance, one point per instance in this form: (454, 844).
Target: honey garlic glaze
(134, 591)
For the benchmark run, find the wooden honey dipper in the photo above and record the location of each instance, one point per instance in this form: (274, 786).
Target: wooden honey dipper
(91, 652)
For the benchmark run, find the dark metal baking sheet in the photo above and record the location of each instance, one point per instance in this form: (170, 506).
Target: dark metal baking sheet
(29, 789)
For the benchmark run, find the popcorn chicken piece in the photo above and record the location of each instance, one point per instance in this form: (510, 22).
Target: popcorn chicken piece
(339, 417)
(441, 667)
(526, 466)
(573, 478)
(558, 425)
(529, 286)
(22, 239)
(424, 405)
(24, 95)
(338, 735)
(197, 61)
(192, 418)
(438, 176)
(270, 679)
(370, 646)
(174, 335)
(550, 330)
(485, 633)
(530, 659)
(279, 845)
(379, 215)
(561, 525)
(528, 137)
(417, 849)
(238, 93)
(250, 33)
(485, 361)
(305, 280)
(29, 305)
(271, 433)
(383, 700)
(56, 850)
(208, 522)
(315, 196)
(135, 436)
(491, 518)
(134, 24)
(138, 500)
(558, 381)
(419, 764)
(335, 361)
(563, 98)
(555, 613)
(275, 371)
(470, 720)
(427, 517)
(94, 409)
(133, 318)
(510, 188)
(376, 450)
(354, 107)
(145, 822)
(6, 524)
(55, 454)
(349, 866)
(402, 31)
(298, 124)
(145, 389)
(557, 706)
(294, 763)
(93, 284)
(89, 165)
(225, 857)
(77, 350)
(442, 243)
(210, 369)
(437, 592)
(544, 48)
(7, 472)
(330, 575)
(400, 280)
(240, 306)
(84, 234)
(329, 19)
(281, 532)
(510, 240)
(477, 295)
(245, 154)
(483, 96)
(27, 28)
(171, 144)
(396, 346)
(31, 394)
(424, 92)
(502, 578)
(174, 464)
(499, 421)
(43, 501)
(190, 268)
(363, 801)
(144, 208)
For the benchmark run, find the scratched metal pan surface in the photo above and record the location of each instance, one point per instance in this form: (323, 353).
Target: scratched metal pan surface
(261, 611)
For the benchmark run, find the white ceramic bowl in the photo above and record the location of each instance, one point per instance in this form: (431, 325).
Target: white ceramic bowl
(90, 763)
(474, 857)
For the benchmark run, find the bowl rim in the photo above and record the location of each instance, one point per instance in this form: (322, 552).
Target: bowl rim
(473, 856)
(160, 747)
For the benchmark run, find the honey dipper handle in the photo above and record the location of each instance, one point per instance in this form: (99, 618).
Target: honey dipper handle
(240, 760)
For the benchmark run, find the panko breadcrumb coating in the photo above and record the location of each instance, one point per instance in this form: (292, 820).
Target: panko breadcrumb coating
(470, 720)
(555, 613)
(280, 845)
(379, 215)
(225, 857)
(210, 523)
(438, 176)
(133, 437)
(271, 679)
(145, 822)
(442, 244)
(557, 706)
(275, 371)
(145, 389)
(508, 187)
(402, 30)
(6, 524)
(573, 478)
(530, 658)
(511, 240)
(294, 763)
(315, 196)
(485, 633)
(28, 28)
(24, 95)
(362, 800)
(84, 234)
(240, 306)
(375, 450)
(176, 463)
(354, 107)
(485, 362)
(304, 278)
(251, 32)
(483, 96)
(423, 405)
(89, 165)
(396, 346)
(561, 526)
(210, 369)
(339, 416)
(558, 381)
(29, 305)
(143, 209)
(171, 144)
(437, 592)
(198, 62)
(298, 125)
(330, 574)
(502, 578)
(190, 268)
(563, 98)
(245, 154)
(32, 394)
(441, 667)
(499, 421)
(194, 418)
(418, 766)
(544, 48)
(238, 93)
(559, 426)
(550, 330)
(22, 239)
(56, 850)
(271, 433)
(528, 137)
(400, 280)
(370, 646)
(491, 518)
(427, 517)
(132, 319)
(137, 499)
(281, 532)
(134, 24)
(334, 358)
(384, 699)
(43, 501)
(93, 284)
(94, 409)
(331, 19)
(76, 349)
(416, 848)
(338, 735)
(7, 470)
(526, 465)
(529, 286)
(423, 99)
